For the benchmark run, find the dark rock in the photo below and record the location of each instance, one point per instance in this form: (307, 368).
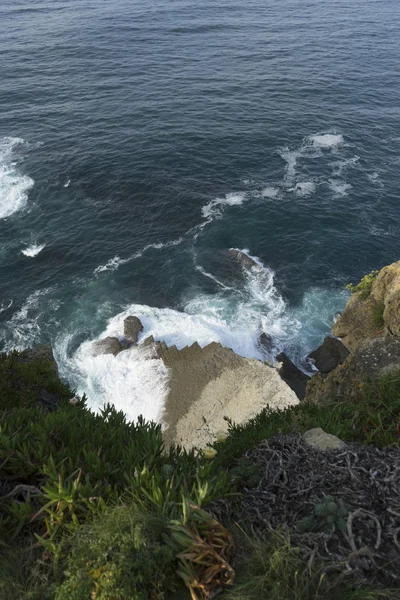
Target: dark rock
(48, 400)
(108, 345)
(132, 328)
(42, 353)
(266, 342)
(377, 357)
(329, 355)
(296, 379)
(243, 259)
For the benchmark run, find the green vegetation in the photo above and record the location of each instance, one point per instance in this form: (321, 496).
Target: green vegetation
(377, 315)
(364, 286)
(95, 508)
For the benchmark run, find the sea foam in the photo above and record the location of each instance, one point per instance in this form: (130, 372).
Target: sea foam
(214, 209)
(33, 250)
(327, 140)
(14, 186)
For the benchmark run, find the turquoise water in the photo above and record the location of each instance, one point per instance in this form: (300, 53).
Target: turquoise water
(139, 141)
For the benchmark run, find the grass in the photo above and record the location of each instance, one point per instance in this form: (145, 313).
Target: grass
(272, 568)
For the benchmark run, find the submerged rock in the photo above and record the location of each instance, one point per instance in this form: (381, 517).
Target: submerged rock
(329, 355)
(108, 345)
(242, 258)
(132, 327)
(292, 375)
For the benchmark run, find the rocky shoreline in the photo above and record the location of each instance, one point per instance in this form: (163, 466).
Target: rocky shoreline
(209, 386)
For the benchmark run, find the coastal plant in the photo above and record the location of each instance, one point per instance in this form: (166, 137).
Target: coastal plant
(204, 549)
(364, 286)
(377, 315)
(328, 516)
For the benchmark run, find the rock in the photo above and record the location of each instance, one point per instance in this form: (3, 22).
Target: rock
(266, 342)
(320, 440)
(243, 259)
(42, 353)
(132, 328)
(329, 355)
(48, 400)
(356, 324)
(296, 379)
(211, 383)
(375, 358)
(108, 345)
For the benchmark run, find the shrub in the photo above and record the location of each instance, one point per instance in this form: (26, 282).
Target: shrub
(364, 285)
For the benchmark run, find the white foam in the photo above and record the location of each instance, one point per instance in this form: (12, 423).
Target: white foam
(24, 324)
(327, 140)
(215, 208)
(133, 381)
(201, 270)
(339, 187)
(290, 157)
(4, 307)
(33, 250)
(14, 186)
(66, 184)
(115, 262)
(304, 188)
(111, 265)
(270, 192)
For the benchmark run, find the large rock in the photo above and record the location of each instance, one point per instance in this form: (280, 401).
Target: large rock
(243, 259)
(375, 358)
(320, 440)
(42, 353)
(108, 345)
(292, 375)
(211, 383)
(357, 324)
(132, 328)
(330, 354)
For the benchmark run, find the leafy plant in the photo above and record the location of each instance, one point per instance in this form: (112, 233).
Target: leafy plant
(327, 516)
(364, 285)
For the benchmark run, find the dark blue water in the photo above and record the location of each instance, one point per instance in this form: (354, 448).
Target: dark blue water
(140, 140)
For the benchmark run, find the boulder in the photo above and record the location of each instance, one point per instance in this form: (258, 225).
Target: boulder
(356, 324)
(266, 342)
(132, 328)
(42, 353)
(377, 357)
(292, 375)
(331, 353)
(208, 385)
(320, 440)
(108, 345)
(243, 259)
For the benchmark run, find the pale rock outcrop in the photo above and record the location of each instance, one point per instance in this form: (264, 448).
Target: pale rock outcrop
(211, 383)
(320, 440)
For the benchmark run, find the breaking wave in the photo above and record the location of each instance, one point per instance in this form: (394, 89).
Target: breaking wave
(14, 186)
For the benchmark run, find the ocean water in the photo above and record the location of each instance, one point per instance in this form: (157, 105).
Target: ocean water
(141, 140)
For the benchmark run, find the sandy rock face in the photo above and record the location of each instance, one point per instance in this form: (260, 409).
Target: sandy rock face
(208, 384)
(375, 358)
(357, 323)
